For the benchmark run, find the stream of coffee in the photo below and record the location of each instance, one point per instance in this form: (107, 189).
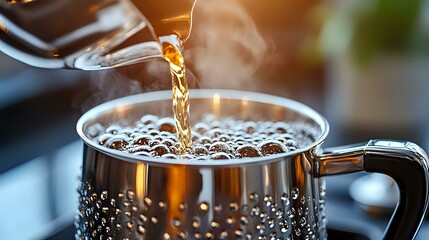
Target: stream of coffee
(180, 95)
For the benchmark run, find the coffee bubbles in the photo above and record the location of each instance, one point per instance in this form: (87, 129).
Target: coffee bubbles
(213, 139)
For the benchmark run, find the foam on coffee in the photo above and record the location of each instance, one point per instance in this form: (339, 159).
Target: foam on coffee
(213, 139)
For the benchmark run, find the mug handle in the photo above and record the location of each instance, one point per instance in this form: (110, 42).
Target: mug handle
(405, 162)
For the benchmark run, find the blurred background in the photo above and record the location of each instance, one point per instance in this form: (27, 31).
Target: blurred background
(363, 64)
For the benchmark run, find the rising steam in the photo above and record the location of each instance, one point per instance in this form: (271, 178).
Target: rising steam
(104, 86)
(229, 48)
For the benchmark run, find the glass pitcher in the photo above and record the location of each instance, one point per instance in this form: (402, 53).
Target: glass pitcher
(90, 34)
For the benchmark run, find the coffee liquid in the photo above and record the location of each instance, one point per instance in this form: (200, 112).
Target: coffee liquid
(213, 139)
(180, 95)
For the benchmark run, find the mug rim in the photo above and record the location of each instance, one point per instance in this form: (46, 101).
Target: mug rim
(205, 94)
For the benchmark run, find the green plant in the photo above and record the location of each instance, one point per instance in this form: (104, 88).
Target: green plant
(368, 28)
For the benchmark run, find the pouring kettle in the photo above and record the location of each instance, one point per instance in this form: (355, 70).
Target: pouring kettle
(91, 34)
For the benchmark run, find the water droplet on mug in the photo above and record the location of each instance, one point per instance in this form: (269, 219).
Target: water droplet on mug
(195, 223)
(294, 193)
(209, 236)
(244, 220)
(249, 236)
(141, 229)
(255, 211)
(238, 234)
(285, 199)
(166, 236)
(302, 222)
(130, 195)
(300, 211)
(233, 206)
(177, 222)
(197, 236)
(98, 204)
(229, 221)
(182, 207)
(117, 211)
(130, 225)
(298, 232)
(271, 223)
(143, 218)
(268, 200)
(260, 228)
(103, 195)
(204, 207)
(263, 216)
(134, 208)
(217, 209)
(147, 201)
(214, 224)
(181, 235)
(253, 197)
(162, 205)
(223, 235)
(283, 225)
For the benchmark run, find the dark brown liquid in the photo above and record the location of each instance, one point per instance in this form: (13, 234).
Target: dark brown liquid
(213, 139)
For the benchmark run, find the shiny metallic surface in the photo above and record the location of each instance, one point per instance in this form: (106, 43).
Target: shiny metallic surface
(109, 33)
(340, 160)
(280, 196)
(408, 165)
(273, 197)
(405, 162)
(278, 199)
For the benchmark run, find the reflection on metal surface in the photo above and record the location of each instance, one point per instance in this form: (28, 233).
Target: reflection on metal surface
(404, 161)
(266, 203)
(342, 160)
(275, 196)
(3, 27)
(141, 175)
(376, 194)
(216, 102)
(176, 202)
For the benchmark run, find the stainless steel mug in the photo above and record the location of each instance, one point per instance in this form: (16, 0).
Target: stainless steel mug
(282, 196)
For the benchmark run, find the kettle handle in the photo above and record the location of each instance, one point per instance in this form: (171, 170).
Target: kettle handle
(405, 162)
